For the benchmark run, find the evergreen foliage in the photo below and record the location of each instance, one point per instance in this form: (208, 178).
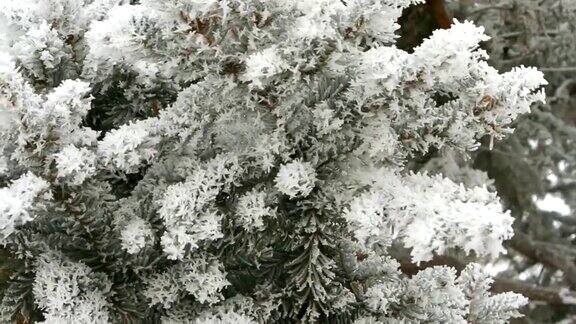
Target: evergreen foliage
(536, 163)
(246, 161)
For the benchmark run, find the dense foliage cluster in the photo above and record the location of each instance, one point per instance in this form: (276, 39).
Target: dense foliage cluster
(533, 170)
(246, 161)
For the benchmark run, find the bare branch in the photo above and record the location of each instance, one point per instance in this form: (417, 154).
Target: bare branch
(566, 186)
(495, 7)
(558, 69)
(524, 244)
(568, 220)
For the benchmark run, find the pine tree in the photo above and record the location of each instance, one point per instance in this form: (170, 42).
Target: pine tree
(246, 161)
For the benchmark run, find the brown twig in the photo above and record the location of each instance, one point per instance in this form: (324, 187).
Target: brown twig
(155, 107)
(439, 12)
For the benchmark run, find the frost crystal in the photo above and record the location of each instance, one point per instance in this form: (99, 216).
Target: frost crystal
(262, 66)
(187, 208)
(161, 288)
(381, 69)
(67, 105)
(203, 279)
(431, 214)
(218, 161)
(128, 147)
(252, 209)
(225, 318)
(70, 292)
(75, 164)
(19, 200)
(136, 235)
(485, 308)
(325, 120)
(296, 179)
(380, 296)
(436, 293)
(3, 165)
(109, 38)
(238, 309)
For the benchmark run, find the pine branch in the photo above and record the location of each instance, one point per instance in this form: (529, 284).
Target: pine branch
(17, 302)
(552, 296)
